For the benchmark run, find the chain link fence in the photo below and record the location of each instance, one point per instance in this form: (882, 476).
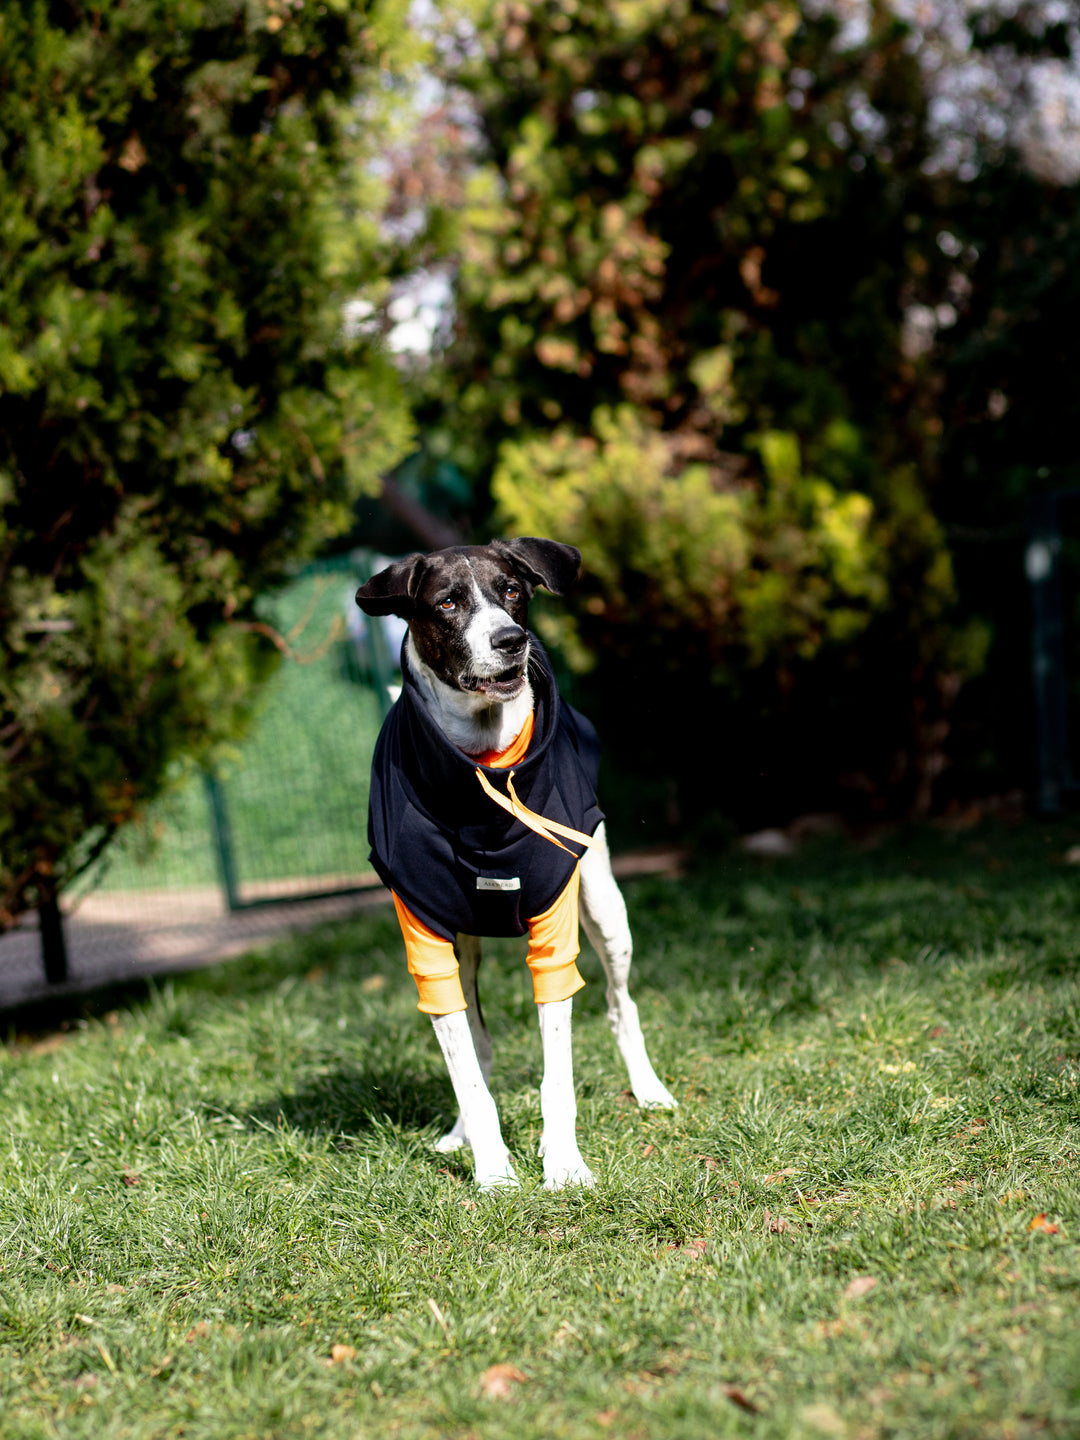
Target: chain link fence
(276, 837)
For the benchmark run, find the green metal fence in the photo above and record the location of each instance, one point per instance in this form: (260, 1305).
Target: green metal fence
(284, 815)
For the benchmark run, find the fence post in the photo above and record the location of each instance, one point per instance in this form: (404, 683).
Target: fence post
(1043, 569)
(223, 846)
(53, 945)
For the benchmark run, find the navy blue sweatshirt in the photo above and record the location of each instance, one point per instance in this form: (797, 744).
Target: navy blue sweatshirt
(445, 847)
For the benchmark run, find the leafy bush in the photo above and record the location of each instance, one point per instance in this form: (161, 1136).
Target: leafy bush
(685, 271)
(185, 208)
(680, 564)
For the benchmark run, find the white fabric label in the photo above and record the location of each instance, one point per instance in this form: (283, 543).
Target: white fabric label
(496, 882)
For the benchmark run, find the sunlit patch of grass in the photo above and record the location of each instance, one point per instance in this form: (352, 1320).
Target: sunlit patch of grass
(877, 1058)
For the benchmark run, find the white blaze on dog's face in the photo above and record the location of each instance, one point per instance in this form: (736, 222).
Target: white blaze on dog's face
(469, 624)
(467, 609)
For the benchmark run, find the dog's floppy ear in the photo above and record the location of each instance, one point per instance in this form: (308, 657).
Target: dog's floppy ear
(393, 590)
(542, 562)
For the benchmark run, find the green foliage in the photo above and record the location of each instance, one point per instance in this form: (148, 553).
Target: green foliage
(185, 207)
(661, 220)
(684, 273)
(875, 1056)
(736, 575)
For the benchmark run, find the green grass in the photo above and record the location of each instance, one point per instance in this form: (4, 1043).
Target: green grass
(876, 1055)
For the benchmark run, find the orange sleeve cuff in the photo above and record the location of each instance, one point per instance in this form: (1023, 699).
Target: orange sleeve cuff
(554, 947)
(432, 964)
(552, 958)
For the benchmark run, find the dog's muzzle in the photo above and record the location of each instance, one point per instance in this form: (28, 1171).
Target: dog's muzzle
(506, 685)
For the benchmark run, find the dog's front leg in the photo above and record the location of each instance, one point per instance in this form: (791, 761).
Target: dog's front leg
(468, 951)
(563, 1164)
(479, 1116)
(603, 914)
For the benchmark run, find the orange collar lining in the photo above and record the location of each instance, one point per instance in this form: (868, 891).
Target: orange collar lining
(514, 753)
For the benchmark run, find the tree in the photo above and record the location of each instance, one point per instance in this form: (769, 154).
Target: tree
(686, 271)
(186, 205)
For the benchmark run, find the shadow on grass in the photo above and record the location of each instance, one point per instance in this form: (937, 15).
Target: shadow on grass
(772, 926)
(46, 1015)
(351, 1102)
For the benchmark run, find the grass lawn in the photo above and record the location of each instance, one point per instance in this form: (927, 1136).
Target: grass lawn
(863, 1220)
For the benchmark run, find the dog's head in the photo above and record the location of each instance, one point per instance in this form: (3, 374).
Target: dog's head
(467, 607)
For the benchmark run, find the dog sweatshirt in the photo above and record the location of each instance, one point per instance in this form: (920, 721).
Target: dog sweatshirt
(443, 841)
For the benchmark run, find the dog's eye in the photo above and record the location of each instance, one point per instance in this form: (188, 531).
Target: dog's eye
(446, 604)
(513, 591)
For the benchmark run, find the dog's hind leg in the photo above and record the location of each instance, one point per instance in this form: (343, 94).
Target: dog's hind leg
(563, 1164)
(603, 914)
(468, 952)
(491, 1158)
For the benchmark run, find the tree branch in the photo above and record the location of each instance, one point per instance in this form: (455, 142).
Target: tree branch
(433, 532)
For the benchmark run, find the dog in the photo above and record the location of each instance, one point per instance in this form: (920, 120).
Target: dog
(456, 841)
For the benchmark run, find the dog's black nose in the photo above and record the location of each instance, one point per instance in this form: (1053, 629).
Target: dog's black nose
(510, 639)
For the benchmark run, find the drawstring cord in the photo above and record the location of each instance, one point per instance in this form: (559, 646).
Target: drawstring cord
(536, 823)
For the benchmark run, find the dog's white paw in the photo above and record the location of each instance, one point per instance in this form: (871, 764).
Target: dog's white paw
(497, 1177)
(655, 1097)
(453, 1140)
(560, 1177)
(563, 1167)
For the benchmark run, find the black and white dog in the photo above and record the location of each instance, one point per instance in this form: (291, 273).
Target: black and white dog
(454, 836)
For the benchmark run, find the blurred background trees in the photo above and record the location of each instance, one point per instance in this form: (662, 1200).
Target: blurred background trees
(722, 309)
(769, 305)
(186, 207)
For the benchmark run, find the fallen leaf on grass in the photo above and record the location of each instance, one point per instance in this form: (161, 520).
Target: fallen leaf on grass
(775, 1226)
(779, 1175)
(709, 1162)
(861, 1285)
(649, 1150)
(498, 1381)
(605, 1417)
(131, 1177)
(340, 1353)
(693, 1249)
(1040, 1222)
(972, 1128)
(372, 983)
(315, 974)
(197, 1331)
(736, 1396)
(937, 1032)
